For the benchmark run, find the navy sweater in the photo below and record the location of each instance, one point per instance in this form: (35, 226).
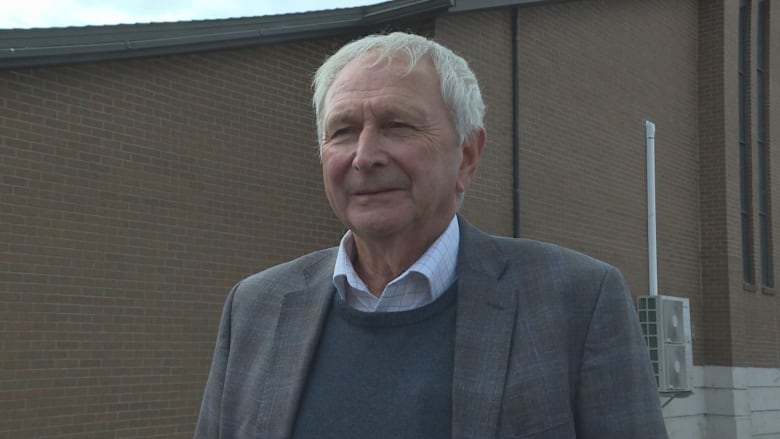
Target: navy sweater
(382, 375)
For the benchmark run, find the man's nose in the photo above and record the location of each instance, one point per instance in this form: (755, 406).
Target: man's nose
(369, 151)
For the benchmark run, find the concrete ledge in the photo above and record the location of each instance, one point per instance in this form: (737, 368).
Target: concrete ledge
(727, 403)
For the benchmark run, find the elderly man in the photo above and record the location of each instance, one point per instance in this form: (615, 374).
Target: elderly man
(419, 325)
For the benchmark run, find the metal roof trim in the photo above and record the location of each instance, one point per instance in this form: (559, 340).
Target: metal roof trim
(56, 46)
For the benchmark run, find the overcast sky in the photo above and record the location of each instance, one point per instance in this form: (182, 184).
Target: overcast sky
(58, 13)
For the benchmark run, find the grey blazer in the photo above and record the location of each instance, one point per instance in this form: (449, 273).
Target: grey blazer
(547, 345)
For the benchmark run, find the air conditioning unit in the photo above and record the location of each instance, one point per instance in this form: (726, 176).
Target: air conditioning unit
(666, 324)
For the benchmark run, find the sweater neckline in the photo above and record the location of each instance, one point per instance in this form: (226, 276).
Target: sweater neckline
(395, 318)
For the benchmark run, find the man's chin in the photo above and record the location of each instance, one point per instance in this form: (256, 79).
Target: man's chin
(378, 225)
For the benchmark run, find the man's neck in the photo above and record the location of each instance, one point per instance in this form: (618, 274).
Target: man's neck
(379, 261)
(379, 265)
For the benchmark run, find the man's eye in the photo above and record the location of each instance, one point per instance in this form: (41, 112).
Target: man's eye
(341, 132)
(399, 126)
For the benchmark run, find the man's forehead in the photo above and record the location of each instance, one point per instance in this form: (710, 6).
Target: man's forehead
(397, 64)
(389, 98)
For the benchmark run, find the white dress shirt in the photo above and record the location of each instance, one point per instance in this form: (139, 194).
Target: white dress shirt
(422, 283)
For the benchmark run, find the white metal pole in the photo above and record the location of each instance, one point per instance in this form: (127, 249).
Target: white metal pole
(652, 256)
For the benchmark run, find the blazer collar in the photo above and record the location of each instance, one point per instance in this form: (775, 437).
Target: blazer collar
(301, 318)
(486, 314)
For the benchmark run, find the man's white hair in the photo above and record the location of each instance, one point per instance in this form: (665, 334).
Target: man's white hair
(459, 87)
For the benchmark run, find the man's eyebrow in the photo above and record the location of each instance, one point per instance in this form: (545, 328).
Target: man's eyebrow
(402, 112)
(349, 115)
(338, 117)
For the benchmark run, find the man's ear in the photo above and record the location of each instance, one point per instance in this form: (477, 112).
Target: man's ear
(472, 151)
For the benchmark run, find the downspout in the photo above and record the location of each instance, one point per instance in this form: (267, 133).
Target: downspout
(652, 256)
(515, 125)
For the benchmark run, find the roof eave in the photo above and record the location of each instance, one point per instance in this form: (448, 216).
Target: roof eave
(57, 46)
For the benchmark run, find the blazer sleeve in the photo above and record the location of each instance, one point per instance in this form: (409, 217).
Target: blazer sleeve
(617, 396)
(208, 425)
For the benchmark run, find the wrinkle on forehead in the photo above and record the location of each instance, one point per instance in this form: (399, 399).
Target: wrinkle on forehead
(398, 63)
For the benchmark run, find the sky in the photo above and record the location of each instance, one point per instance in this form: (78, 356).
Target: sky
(61, 13)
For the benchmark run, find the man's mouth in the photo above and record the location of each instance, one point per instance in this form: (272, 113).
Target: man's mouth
(377, 191)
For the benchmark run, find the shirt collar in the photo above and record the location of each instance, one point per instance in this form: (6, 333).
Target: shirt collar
(437, 266)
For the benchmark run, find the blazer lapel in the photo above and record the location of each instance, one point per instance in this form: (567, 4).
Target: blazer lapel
(301, 317)
(486, 314)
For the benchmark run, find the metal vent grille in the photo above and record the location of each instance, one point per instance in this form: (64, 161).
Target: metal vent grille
(665, 322)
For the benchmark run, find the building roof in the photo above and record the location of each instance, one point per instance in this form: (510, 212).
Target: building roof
(66, 45)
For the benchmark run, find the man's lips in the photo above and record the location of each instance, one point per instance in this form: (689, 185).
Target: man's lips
(364, 192)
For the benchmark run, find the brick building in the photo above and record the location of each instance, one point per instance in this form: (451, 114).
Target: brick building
(146, 168)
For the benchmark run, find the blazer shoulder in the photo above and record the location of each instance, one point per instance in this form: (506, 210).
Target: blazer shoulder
(559, 272)
(522, 260)
(294, 275)
(553, 256)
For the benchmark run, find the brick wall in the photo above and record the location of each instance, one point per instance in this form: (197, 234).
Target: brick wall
(774, 162)
(716, 334)
(591, 74)
(761, 313)
(741, 325)
(133, 196)
(485, 40)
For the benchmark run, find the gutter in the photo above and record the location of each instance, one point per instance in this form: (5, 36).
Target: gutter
(515, 124)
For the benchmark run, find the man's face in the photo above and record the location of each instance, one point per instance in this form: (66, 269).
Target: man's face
(391, 160)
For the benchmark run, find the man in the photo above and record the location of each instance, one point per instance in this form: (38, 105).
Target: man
(418, 325)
